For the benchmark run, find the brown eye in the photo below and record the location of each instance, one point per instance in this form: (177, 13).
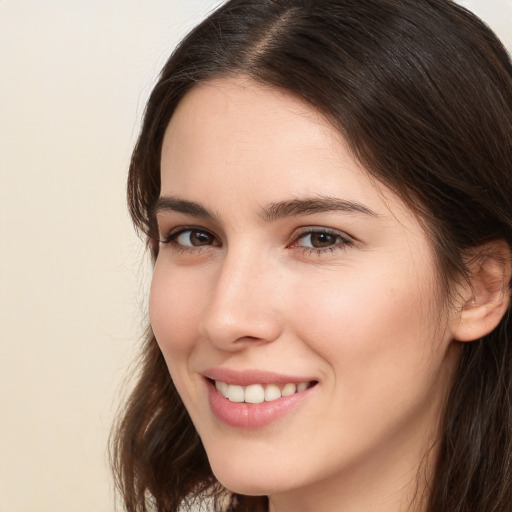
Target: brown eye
(319, 240)
(194, 238)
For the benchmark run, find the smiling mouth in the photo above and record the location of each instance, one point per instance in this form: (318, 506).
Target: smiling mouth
(259, 393)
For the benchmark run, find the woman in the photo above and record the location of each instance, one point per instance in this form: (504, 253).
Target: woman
(325, 189)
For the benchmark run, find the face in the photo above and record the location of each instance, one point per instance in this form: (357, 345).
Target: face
(296, 301)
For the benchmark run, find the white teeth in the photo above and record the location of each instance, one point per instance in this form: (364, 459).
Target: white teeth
(272, 392)
(254, 394)
(235, 393)
(258, 393)
(222, 388)
(288, 390)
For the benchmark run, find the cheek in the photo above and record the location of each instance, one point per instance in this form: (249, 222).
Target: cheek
(385, 362)
(175, 310)
(371, 329)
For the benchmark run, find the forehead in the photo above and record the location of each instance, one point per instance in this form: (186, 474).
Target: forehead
(260, 145)
(237, 132)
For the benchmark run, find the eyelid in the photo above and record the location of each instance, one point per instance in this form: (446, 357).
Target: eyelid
(306, 230)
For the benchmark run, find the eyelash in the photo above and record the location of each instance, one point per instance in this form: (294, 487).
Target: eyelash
(342, 241)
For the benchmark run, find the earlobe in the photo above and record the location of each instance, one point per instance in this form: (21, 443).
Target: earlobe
(485, 297)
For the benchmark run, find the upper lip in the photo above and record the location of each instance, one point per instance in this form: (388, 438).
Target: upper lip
(248, 377)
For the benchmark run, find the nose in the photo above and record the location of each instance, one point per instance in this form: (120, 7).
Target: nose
(243, 305)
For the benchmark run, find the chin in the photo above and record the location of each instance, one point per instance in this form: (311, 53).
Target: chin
(250, 480)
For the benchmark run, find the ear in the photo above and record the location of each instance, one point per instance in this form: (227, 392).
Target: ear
(485, 296)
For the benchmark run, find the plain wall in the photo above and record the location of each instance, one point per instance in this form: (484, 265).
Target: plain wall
(74, 76)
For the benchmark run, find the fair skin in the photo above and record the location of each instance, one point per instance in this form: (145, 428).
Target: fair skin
(338, 290)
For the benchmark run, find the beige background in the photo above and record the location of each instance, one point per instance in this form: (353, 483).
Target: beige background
(74, 76)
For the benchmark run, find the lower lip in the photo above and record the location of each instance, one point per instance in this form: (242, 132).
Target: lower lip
(245, 415)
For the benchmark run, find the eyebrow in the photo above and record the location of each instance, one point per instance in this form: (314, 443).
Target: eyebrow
(173, 204)
(310, 206)
(274, 211)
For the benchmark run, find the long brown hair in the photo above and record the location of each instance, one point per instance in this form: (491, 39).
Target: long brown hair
(422, 92)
